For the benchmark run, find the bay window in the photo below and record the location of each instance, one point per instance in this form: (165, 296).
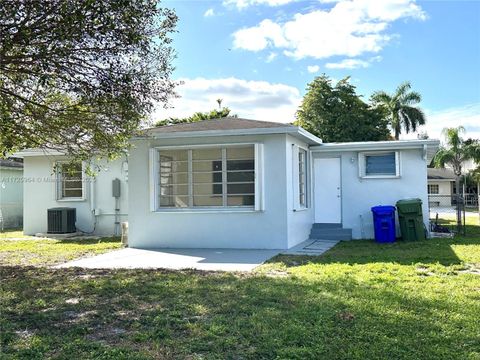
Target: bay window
(205, 177)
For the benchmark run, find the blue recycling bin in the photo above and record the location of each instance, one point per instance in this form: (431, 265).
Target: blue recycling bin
(384, 223)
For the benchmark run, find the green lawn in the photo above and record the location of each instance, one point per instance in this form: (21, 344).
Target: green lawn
(44, 252)
(14, 234)
(360, 300)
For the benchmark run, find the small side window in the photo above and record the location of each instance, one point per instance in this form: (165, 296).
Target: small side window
(302, 178)
(379, 164)
(70, 181)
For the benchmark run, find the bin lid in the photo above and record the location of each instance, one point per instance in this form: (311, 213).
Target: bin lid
(383, 209)
(409, 201)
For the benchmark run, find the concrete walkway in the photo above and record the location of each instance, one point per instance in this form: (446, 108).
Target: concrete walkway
(200, 259)
(311, 247)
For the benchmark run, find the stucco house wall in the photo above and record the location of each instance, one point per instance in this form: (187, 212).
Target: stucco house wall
(360, 194)
(265, 229)
(299, 220)
(11, 196)
(40, 195)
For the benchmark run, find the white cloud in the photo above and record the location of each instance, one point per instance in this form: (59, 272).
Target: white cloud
(468, 116)
(313, 68)
(258, 37)
(251, 99)
(348, 64)
(271, 57)
(353, 63)
(241, 4)
(209, 12)
(349, 28)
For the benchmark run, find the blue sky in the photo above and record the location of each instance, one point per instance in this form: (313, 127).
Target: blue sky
(259, 55)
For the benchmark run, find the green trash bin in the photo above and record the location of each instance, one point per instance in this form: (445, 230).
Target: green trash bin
(410, 217)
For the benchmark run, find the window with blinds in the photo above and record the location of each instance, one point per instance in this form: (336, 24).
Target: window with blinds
(207, 177)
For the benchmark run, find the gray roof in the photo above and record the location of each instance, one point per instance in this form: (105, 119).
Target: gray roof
(11, 163)
(227, 123)
(440, 174)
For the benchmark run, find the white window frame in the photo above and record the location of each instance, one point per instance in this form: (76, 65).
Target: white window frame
(362, 165)
(154, 174)
(59, 184)
(429, 186)
(297, 206)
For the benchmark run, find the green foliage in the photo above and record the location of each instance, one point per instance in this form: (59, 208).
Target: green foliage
(80, 76)
(338, 114)
(198, 116)
(456, 150)
(360, 300)
(400, 109)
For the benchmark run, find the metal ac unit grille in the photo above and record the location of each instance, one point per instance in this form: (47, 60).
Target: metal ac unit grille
(61, 220)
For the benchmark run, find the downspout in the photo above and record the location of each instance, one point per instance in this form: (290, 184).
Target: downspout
(93, 202)
(92, 195)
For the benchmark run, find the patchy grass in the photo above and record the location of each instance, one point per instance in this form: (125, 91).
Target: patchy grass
(45, 252)
(360, 300)
(14, 235)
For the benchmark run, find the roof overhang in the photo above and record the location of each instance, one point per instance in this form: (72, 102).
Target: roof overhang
(14, 168)
(429, 147)
(294, 131)
(37, 152)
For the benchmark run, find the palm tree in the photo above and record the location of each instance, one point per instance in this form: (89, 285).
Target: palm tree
(454, 153)
(400, 108)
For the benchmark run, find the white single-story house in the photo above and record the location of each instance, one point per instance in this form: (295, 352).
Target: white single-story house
(11, 193)
(234, 183)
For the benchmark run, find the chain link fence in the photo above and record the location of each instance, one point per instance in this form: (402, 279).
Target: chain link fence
(445, 210)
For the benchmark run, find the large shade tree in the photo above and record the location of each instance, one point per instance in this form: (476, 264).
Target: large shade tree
(81, 75)
(454, 153)
(400, 108)
(335, 113)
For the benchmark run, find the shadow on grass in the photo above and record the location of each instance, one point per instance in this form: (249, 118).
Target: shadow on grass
(93, 314)
(430, 251)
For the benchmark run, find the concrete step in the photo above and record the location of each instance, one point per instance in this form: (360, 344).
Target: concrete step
(331, 234)
(326, 226)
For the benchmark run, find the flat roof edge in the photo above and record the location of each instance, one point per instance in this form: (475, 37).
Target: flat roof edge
(375, 145)
(37, 152)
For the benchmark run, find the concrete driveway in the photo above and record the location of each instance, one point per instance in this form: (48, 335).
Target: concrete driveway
(200, 259)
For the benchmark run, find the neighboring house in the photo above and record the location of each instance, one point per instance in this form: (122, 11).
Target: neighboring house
(11, 193)
(441, 187)
(441, 183)
(238, 183)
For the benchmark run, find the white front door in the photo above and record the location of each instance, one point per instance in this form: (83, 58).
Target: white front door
(328, 191)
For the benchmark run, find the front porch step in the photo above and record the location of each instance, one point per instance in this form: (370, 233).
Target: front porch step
(326, 226)
(330, 232)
